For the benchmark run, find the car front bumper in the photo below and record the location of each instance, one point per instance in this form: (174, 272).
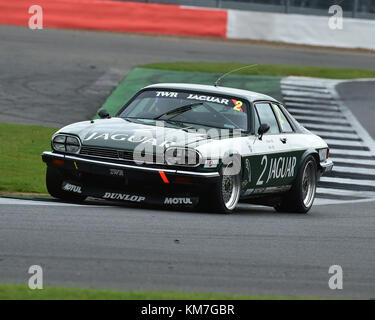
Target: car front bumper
(120, 181)
(326, 166)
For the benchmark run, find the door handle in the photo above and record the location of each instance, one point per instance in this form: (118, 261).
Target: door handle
(283, 140)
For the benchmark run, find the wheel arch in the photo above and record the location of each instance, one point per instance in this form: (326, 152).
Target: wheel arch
(310, 152)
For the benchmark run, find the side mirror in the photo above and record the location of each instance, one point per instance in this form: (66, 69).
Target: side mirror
(103, 114)
(263, 128)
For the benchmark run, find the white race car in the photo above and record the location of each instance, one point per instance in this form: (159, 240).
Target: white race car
(187, 144)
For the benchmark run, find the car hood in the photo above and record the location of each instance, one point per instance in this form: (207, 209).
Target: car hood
(124, 134)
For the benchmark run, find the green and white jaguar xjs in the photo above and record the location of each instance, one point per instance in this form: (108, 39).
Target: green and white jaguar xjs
(187, 145)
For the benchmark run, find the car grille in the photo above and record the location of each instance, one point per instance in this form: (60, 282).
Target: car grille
(126, 155)
(99, 152)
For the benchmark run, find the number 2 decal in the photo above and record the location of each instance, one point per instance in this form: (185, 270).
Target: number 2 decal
(264, 159)
(237, 105)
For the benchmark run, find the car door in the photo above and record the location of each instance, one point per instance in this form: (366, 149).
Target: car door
(297, 142)
(272, 164)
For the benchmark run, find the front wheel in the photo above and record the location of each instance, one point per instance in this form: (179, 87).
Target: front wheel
(223, 196)
(302, 194)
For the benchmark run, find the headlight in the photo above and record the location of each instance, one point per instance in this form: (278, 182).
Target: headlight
(65, 143)
(58, 143)
(323, 154)
(182, 156)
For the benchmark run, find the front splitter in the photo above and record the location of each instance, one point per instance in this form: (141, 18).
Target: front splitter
(140, 197)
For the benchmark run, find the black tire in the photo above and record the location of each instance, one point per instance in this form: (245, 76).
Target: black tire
(301, 196)
(54, 180)
(223, 196)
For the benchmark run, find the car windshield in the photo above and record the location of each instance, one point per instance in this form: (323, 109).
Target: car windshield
(189, 107)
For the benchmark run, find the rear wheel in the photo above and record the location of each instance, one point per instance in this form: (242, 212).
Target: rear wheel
(301, 197)
(54, 180)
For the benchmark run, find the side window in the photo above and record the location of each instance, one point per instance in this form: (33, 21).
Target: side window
(285, 125)
(257, 122)
(266, 115)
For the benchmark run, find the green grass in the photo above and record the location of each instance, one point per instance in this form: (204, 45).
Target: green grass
(265, 69)
(21, 166)
(22, 292)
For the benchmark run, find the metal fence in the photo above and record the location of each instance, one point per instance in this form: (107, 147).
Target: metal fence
(364, 9)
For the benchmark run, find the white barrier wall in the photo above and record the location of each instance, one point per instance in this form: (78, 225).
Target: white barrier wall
(300, 29)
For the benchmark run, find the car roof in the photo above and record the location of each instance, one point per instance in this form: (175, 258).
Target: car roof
(249, 95)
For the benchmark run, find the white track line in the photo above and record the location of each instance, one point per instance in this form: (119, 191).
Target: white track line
(328, 127)
(312, 95)
(10, 201)
(370, 183)
(321, 118)
(304, 88)
(353, 120)
(309, 99)
(324, 202)
(315, 112)
(334, 134)
(345, 192)
(368, 171)
(353, 161)
(304, 106)
(344, 143)
(350, 152)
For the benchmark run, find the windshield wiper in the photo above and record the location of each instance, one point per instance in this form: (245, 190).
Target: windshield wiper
(179, 110)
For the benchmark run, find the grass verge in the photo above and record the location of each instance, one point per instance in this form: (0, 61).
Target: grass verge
(265, 69)
(22, 292)
(22, 169)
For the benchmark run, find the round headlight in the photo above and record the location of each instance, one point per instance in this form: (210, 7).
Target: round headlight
(65, 143)
(182, 156)
(58, 143)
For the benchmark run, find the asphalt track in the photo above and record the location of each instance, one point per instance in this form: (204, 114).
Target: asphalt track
(360, 98)
(253, 251)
